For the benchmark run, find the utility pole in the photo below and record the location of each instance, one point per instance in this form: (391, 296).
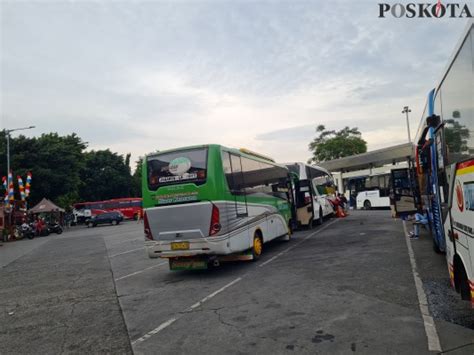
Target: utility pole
(407, 110)
(7, 132)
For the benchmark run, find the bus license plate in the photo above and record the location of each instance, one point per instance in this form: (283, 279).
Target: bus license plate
(180, 246)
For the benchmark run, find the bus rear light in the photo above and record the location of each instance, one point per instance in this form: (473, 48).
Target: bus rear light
(147, 229)
(215, 226)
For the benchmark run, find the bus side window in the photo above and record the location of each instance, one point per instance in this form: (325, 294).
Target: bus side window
(237, 178)
(228, 171)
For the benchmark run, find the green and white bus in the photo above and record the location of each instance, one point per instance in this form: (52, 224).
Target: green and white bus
(208, 203)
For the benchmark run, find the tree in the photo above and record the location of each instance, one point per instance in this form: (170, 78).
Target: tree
(64, 173)
(105, 176)
(137, 179)
(336, 144)
(55, 162)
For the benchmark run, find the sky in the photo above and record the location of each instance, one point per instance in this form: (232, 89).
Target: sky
(141, 76)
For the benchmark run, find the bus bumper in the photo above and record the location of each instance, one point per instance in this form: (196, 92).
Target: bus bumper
(164, 249)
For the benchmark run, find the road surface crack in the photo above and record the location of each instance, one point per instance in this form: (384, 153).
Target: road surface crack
(221, 320)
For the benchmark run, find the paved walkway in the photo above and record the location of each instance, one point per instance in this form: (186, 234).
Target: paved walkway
(10, 251)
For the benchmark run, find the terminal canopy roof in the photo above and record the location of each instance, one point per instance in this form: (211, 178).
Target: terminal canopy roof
(45, 206)
(373, 159)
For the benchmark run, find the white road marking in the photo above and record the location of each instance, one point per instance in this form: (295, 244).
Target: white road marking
(126, 252)
(215, 293)
(125, 241)
(139, 272)
(430, 326)
(174, 319)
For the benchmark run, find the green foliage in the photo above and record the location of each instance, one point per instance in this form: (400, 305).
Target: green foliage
(63, 172)
(330, 145)
(456, 136)
(55, 162)
(137, 178)
(104, 176)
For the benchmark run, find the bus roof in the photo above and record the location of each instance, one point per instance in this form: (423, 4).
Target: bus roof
(111, 199)
(242, 151)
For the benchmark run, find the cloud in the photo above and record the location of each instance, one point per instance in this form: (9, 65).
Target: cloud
(301, 133)
(141, 76)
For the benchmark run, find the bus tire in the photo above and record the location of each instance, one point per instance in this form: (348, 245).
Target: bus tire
(367, 205)
(257, 246)
(436, 248)
(320, 219)
(462, 282)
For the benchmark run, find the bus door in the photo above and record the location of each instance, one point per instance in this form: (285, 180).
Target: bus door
(403, 191)
(237, 212)
(305, 202)
(461, 208)
(292, 198)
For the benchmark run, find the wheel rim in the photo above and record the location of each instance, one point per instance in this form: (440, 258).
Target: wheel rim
(257, 246)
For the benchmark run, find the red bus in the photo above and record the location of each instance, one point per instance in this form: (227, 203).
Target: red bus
(130, 207)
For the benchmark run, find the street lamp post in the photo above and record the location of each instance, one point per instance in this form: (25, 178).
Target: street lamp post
(7, 132)
(407, 110)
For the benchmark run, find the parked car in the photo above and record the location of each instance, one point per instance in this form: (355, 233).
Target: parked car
(113, 218)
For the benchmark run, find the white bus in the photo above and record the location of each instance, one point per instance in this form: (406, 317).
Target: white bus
(314, 192)
(375, 193)
(445, 165)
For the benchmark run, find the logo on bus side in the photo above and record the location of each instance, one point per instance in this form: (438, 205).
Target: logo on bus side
(179, 166)
(459, 196)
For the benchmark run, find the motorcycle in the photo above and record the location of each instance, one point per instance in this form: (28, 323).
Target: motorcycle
(44, 232)
(55, 228)
(24, 231)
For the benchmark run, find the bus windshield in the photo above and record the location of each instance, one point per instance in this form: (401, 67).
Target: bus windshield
(177, 167)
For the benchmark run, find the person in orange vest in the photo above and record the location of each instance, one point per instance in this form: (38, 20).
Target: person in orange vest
(340, 206)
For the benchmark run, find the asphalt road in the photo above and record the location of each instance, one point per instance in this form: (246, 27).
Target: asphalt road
(345, 287)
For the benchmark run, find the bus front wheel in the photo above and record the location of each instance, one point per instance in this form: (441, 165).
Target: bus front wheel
(257, 246)
(320, 220)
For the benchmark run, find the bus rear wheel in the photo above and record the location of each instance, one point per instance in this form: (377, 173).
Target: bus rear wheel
(462, 282)
(367, 205)
(257, 246)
